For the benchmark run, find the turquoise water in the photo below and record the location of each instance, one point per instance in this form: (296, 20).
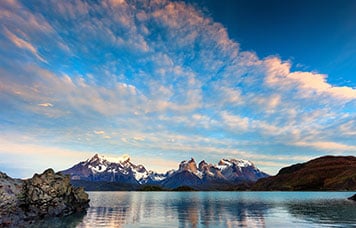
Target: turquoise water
(214, 209)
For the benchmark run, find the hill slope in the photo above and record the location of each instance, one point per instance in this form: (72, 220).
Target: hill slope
(324, 173)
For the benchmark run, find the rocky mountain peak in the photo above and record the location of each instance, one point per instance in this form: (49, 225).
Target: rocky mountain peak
(224, 161)
(96, 159)
(124, 158)
(190, 165)
(202, 165)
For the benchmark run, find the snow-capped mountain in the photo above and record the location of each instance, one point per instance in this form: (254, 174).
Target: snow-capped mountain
(98, 168)
(227, 171)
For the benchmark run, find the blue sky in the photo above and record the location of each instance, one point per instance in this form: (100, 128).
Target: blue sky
(288, 28)
(164, 81)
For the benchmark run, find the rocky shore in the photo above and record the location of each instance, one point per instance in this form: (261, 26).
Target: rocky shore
(44, 195)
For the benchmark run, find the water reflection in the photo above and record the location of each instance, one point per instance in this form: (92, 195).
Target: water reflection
(194, 210)
(168, 209)
(212, 209)
(69, 222)
(340, 212)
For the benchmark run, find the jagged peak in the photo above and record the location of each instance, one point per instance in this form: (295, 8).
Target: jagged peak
(202, 164)
(95, 158)
(192, 160)
(124, 158)
(188, 165)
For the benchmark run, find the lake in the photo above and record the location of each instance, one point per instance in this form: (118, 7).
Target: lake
(213, 209)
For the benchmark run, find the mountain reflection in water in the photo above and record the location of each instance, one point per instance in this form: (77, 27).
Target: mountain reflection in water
(214, 209)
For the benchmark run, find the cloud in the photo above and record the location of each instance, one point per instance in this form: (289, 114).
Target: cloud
(348, 128)
(235, 122)
(24, 44)
(157, 164)
(139, 138)
(46, 105)
(160, 77)
(325, 145)
(15, 15)
(42, 156)
(308, 83)
(75, 94)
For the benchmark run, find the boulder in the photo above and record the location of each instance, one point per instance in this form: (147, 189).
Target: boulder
(10, 191)
(43, 195)
(352, 197)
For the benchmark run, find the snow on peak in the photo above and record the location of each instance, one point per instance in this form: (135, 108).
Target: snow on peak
(101, 159)
(242, 163)
(97, 164)
(224, 163)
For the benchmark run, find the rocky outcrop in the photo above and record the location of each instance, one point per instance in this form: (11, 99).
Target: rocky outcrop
(10, 200)
(43, 195)
(353, 198)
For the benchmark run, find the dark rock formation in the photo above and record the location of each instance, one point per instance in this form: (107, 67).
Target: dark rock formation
(352, 197)
(44, 195)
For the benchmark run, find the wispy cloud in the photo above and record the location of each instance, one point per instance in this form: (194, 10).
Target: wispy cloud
(46, 105)
(325, 145)
(24, 44)
(309, 83)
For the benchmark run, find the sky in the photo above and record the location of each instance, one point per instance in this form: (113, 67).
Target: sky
(272, 82)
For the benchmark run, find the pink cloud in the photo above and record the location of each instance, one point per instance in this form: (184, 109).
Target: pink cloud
(308, 83)
(21, 43)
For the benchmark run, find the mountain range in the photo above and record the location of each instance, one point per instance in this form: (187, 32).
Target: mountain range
(328, 173)
(98, 173)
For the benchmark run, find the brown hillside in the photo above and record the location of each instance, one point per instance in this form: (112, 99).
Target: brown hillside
(325, 173)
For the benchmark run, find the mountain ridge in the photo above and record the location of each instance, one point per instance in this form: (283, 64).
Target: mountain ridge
(204, 176)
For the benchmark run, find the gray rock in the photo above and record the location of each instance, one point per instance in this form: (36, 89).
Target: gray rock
(43, 195)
